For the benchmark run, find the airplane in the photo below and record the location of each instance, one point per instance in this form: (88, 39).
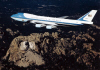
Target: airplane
(53, 22)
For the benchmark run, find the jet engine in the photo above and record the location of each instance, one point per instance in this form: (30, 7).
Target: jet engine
(50, 27)
(39, 25)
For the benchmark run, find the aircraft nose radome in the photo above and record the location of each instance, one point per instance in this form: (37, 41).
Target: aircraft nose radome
(18, 15)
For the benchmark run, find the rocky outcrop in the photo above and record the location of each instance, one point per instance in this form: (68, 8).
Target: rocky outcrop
(22, 52)
(30, 58)
(33, 49)
(66, 49)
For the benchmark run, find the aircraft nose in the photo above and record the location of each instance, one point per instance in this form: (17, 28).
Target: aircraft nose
(18, 15)
(13, 16)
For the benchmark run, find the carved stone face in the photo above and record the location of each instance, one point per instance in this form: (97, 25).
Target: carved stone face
(24, 45)
(32, 45)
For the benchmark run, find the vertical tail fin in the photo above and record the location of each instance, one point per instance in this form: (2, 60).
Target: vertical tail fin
(89, 16)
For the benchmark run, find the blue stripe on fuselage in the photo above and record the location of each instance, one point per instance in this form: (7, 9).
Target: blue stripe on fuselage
(21, 16)
(52, 21)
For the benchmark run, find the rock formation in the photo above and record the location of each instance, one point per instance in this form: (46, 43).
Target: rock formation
(22, 52)
(65, 49)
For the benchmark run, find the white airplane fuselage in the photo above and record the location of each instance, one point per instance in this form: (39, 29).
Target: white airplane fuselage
(52, 21)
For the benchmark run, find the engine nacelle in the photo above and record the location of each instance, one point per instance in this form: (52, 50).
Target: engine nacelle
(39, 25)
(50, 27)
(32, 21)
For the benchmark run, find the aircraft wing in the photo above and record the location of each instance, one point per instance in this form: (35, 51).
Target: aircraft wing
(63, 17)
(48, 25)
